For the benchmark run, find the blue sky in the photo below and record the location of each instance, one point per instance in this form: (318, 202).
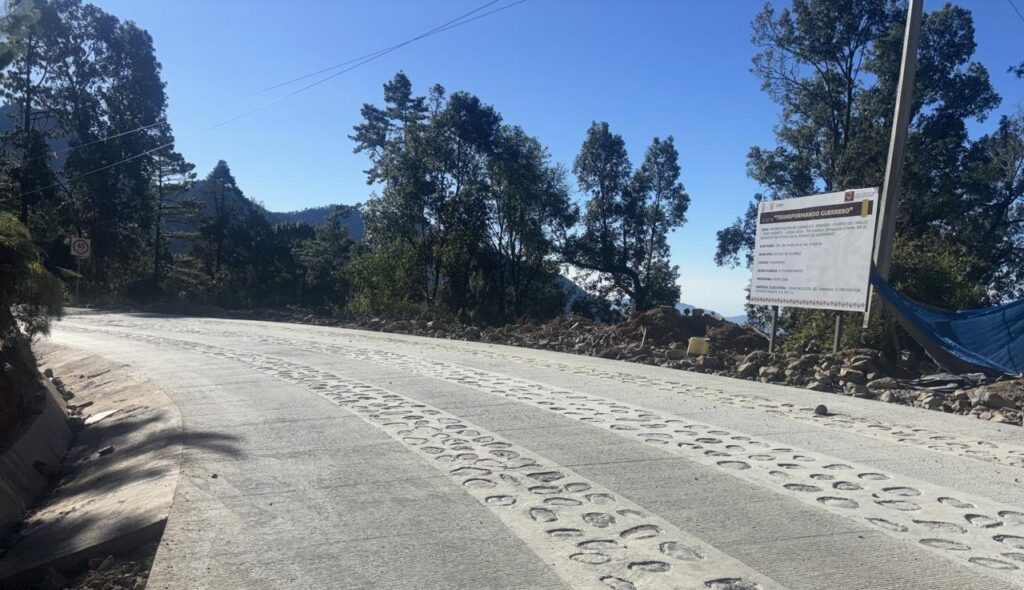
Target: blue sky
(648, 67)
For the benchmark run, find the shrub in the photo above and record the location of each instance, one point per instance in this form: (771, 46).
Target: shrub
(383, 281)
(29, 295)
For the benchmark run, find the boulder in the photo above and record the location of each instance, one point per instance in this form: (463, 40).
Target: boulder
(851, 375)
(930, 400)
(747, 370)
(883, 384)
(757, 356)
(770, 373)
(993, 399)
(707, 361)
(864, 365)
(675, 354)
(855, 389)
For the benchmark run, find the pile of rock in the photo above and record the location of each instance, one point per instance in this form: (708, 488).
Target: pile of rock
(864, 373)
(858, 372)
(660, 336)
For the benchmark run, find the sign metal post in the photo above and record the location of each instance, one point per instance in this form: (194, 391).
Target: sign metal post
(80, 248)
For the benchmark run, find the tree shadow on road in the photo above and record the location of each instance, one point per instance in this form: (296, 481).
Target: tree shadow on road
(141, 447)
(102, 498)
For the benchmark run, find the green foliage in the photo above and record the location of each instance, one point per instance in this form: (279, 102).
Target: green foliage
(937, 272)
(528, 214)
(474, 206)
(29, 295)
(628, 217)
(384, 282)
(84, 76)
(991, 220)
(466, 224)
(18, 17)
(324, 260)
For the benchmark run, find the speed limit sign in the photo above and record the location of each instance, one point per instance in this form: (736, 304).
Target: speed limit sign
(81, 247)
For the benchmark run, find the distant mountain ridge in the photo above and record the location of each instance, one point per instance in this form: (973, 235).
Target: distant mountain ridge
(317, 215)
(736, 319)
(311, 216)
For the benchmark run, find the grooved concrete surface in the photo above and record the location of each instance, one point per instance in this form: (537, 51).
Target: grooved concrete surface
(349, 459)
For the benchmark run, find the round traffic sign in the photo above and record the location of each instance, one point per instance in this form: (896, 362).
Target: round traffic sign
(81, 247)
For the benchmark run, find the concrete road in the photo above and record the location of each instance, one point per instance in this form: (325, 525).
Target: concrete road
(351, 459)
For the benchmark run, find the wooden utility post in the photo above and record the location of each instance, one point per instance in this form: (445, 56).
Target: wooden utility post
(897, 145)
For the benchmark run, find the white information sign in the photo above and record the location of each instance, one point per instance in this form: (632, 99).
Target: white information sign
(815, 251)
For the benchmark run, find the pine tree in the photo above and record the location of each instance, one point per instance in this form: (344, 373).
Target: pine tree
(628, 217)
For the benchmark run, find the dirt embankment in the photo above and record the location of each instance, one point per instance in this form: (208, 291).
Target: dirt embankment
(19, 379)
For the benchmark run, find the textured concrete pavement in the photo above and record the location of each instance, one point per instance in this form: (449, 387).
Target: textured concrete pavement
(367, 460)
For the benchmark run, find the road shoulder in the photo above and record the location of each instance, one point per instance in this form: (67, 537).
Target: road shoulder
(119, 478)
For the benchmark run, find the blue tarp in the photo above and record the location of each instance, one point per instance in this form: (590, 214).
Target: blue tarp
(990, 340)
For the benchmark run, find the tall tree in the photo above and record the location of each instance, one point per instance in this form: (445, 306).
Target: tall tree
(529, 213)
(27, 155)
(661, 206)
(173, 176)
(91, 80)
(475, 205)
(324, 260)
(992, 223)
(431, 172)
(224, 201)
(628, 217)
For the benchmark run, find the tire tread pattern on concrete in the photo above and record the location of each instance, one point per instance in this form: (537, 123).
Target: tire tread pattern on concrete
(590, 536)
(999, 452)
(975, 532)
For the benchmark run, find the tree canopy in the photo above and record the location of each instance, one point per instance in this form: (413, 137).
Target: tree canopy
(628, 217)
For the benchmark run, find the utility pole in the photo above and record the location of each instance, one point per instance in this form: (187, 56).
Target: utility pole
(897, 144)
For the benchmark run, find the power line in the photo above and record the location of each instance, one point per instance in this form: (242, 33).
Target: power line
(462, 20)
(372, 55)
(1017, 10)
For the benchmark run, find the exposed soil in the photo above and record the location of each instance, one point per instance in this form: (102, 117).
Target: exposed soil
(122, 571)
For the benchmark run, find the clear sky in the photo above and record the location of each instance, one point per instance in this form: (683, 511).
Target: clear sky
(648, 67)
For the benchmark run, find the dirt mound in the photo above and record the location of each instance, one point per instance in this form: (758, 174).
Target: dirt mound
(734, 338)
(664, 326)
